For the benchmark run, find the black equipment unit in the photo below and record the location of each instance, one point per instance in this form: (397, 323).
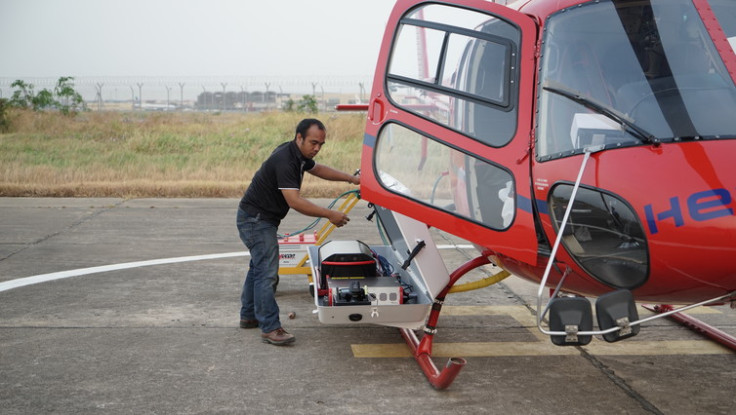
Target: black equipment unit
(346, 260)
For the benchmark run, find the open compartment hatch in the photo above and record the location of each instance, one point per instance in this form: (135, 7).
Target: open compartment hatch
(390, 285)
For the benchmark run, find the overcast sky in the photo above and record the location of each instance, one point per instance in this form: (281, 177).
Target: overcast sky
(109, 38)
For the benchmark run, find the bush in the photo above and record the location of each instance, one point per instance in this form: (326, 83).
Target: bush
(308, 104)
(4, 121)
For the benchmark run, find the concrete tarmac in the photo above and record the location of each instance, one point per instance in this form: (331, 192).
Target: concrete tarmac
(128, 315)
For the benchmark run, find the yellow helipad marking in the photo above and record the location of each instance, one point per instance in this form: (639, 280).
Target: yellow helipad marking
(475, 349)
(543, 346)
(517, 349)
(662, 347)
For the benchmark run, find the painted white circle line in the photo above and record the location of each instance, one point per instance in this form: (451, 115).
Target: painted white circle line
(38, 279)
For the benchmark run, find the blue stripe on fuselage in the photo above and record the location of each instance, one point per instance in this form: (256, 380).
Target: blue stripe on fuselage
(369, 140)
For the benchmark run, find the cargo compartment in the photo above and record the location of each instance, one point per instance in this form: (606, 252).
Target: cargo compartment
(381, 284)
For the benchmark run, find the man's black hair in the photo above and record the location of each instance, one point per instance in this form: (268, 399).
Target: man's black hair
(306, 124)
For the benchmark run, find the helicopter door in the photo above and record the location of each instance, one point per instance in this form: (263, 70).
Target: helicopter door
(448, 130)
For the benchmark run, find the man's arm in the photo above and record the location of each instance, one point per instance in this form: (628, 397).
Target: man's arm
(328, 173)
(305, 207)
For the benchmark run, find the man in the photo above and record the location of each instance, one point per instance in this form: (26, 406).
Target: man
(272, 192)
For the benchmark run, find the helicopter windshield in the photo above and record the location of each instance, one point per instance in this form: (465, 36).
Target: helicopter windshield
(653, 62)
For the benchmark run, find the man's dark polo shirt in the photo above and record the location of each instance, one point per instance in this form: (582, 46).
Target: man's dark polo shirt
(283, 169)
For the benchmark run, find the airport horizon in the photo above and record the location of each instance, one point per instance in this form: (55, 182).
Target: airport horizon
(188, 88)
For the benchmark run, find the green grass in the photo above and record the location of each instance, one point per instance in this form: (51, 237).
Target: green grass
(124, 154)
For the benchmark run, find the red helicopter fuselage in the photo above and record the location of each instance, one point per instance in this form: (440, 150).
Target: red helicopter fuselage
(482, 115)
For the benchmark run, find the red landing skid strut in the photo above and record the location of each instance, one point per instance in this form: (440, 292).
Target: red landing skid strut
(696, 325)
(422, 349)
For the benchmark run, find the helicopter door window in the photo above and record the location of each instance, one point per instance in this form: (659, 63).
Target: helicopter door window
(428, 171)
(457, 68)
(407, 62)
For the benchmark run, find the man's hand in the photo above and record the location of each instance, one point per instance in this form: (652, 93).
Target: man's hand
(305, 207)
(338, 218)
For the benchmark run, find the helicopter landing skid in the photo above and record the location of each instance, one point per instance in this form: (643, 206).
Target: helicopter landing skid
(422, 349)
(696, 325)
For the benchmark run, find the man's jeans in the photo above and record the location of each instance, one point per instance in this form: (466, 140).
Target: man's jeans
(258, 300)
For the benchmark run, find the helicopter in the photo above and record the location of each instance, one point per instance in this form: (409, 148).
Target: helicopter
(582, 145)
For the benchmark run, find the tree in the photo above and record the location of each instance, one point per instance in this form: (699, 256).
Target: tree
(22, 97)
(64, 97)
(71, 100)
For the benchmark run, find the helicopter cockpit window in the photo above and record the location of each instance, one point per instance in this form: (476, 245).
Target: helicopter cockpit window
(457, 68)
(619, 73)
(430, 172)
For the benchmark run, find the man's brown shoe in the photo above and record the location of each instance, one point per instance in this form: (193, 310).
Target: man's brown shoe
(248, 324)
(278, 337)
